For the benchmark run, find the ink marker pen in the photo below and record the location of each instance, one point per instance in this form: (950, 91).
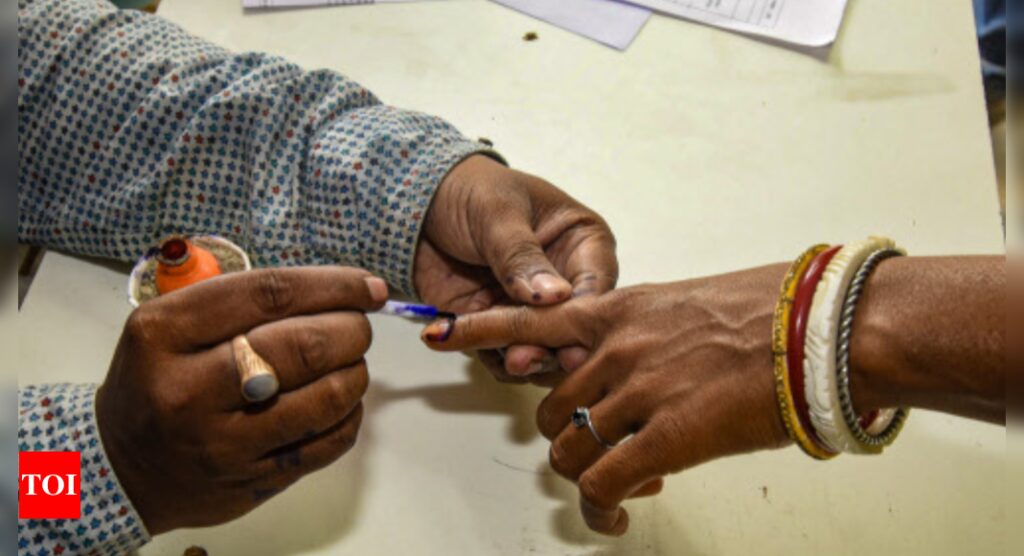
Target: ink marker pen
(421, 313)
(414, 311)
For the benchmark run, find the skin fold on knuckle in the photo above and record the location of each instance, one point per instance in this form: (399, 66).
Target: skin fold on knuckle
(519, 258)
(172, 403)
(313, 346)
(361, 337)
(361, 379)
(560, 462)
(593, 495)
(273, 292)
(519, 320)
(144, 326)
(340, 395)
(548, 423)
(351, 285)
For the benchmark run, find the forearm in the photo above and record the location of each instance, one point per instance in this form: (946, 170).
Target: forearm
(930, 332)
(130, 129)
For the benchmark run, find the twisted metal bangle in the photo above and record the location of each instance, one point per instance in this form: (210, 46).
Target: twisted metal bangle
(853, 294)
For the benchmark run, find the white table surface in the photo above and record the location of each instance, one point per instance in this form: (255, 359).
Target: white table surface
(706, 152)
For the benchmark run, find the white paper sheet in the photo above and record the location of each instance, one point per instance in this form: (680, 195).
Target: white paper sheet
(606, 21)
(803, 22)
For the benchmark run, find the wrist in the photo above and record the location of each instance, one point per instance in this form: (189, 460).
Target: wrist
(128, 472)
(930, 333)
(879, 375)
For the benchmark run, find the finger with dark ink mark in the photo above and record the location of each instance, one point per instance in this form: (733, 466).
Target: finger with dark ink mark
(439, 330)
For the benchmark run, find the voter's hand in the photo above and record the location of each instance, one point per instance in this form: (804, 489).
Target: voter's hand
(680, 374)
(188, 449)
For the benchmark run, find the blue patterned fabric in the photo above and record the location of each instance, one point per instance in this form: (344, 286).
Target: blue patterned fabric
(59, 417)
(130, 129)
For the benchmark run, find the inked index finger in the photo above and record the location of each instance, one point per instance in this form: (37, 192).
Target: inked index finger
(553, 326)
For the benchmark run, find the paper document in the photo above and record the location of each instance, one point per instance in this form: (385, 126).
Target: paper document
(305, 3)
(606, 21)
(803, 22)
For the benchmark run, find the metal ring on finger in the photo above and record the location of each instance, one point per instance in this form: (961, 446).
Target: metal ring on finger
(581, 418)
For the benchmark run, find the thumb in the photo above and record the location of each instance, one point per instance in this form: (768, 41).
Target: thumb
(555, 326)
(520, 264)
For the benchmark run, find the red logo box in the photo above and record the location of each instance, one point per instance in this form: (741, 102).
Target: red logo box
(49, 485)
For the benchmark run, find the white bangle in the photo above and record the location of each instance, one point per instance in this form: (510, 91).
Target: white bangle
(820, 348)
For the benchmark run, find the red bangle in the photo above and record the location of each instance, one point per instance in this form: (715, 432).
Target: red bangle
(796, 334)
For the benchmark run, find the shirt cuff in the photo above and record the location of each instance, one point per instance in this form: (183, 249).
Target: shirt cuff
(369, 195)
(60, 417)
(396, 261)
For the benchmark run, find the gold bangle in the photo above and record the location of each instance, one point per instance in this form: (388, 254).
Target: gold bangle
(780, 328)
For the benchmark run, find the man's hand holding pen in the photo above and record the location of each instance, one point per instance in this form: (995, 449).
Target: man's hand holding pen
(187, 446)
(225, 392)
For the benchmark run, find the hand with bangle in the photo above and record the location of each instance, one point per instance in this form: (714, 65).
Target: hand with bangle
(687, 372)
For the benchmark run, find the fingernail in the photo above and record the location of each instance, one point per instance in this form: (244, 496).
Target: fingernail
(378, 288)
(438, 331)
(547, 286)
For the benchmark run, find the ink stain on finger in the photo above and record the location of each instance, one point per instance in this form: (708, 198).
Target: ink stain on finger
(536, 296)
(446, 328)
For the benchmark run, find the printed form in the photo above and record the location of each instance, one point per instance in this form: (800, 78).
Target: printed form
(803, 22)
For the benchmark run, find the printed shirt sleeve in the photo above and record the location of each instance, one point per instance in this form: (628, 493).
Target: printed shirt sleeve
(131, 129)
(57, 418)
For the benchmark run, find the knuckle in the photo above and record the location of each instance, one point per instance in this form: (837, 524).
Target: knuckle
(143, 325)
(361, 379)
(212, 463)
(546, 420)
(616, 357)
(559, 461)
(519, 321)
(609, 304)
(362, 333)
(338, 394)
(520, 253)
(272, 292)
(591, 489)
(314, 348)
(347, 441)
(172, 402)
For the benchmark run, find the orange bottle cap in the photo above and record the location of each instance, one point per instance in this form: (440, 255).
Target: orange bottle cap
(181, 263)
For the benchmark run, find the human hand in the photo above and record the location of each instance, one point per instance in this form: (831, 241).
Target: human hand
(495, 236)
(680, 374)
(187, 448)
